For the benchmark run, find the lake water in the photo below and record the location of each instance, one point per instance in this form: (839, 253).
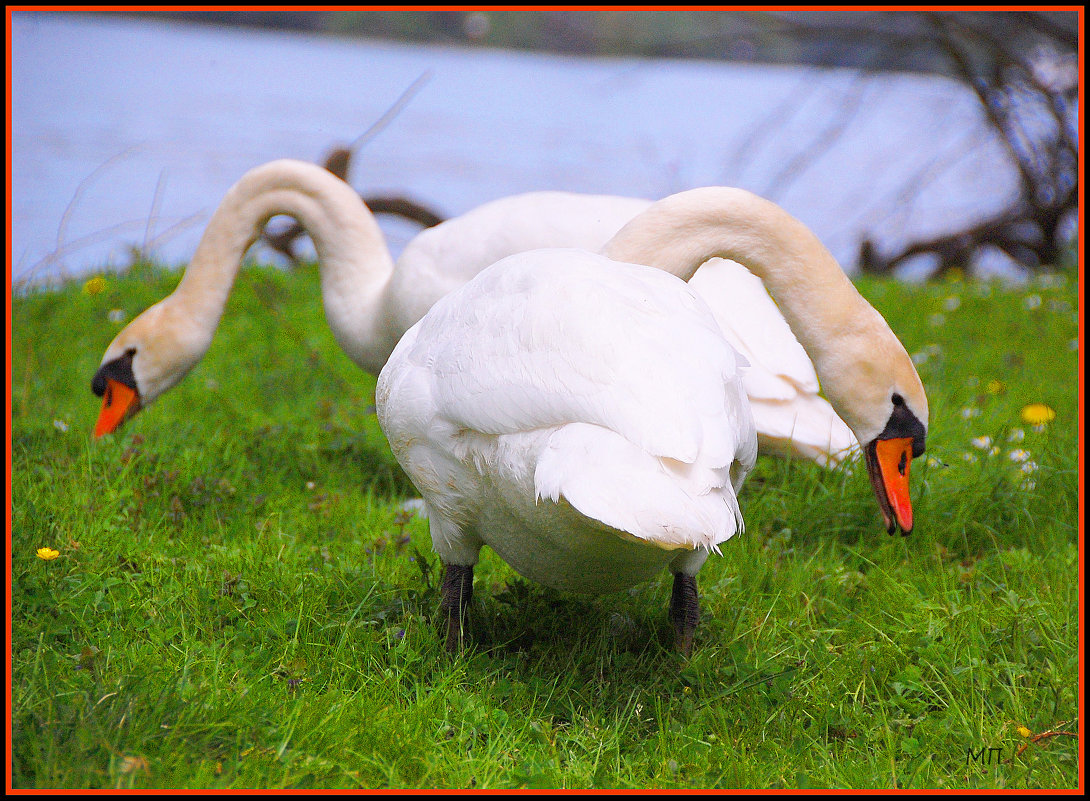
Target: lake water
(127, 133)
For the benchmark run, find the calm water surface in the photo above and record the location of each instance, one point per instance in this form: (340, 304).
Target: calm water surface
(127, 134)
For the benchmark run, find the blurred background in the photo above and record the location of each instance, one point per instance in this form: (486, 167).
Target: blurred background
(912, 142)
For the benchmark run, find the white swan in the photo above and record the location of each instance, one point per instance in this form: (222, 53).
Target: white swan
(793, 420)
(583, 416)
(370, 302)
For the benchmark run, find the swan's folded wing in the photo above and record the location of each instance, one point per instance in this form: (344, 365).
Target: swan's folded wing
(792, 418)
(607, 478)
(563, 336)
(805, 428)
(753, 323)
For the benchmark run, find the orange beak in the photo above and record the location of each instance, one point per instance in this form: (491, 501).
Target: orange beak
(888, 462)
(119, 403)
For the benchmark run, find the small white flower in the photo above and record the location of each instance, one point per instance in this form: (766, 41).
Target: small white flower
(968, 457)
(1029, 467)
(1032, 302)
(951, 303)
(1028, 485)
(61, 426)
(1016, 435)
(982, 442)
(311, 485)
(969, 412)
(994, 451)
(935, 320)
(933, 462)
(919, 358)
(116, 315)
(1018, 455)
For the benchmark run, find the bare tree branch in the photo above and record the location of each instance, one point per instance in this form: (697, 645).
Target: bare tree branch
(1035, 124)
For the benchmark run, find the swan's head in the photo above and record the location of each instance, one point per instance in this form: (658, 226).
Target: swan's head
(881, 398)
(888, 457)
(148, 357)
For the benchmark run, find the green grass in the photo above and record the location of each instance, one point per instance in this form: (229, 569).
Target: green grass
(238, 602)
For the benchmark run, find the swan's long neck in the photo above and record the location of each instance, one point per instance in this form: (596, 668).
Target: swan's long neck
(842, 333)
(355, 262)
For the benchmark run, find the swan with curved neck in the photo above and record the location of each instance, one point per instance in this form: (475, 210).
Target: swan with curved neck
(162, 344)
(370, 302)
(582, 414)
(864, 369)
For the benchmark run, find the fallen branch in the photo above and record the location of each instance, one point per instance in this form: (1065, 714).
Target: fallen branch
(1038, 737)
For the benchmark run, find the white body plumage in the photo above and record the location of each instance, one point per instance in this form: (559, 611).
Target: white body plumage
(585, 419)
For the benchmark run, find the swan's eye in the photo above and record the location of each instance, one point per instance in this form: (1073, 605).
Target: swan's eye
(120, 369)
(898, 400)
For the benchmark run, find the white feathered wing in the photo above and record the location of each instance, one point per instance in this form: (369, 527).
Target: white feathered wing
(560, 377)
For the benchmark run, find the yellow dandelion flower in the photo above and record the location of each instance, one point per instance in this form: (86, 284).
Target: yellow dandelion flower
(1037, 414)
(95, 286)
(1024, 732)
(48, 554)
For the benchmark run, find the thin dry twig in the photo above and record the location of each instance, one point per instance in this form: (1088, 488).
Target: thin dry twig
(63, 248)
(776, 119)
(172, 231)
(392, 112)
(153, 213)
(797, 166)
(81, 188)
(1057, 732)
(74, 245)
(338, 161)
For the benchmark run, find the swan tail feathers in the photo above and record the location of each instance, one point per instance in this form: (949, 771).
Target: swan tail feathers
(607, 478)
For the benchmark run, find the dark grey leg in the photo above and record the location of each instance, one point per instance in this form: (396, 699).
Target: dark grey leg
(456, 591)
(684, 611)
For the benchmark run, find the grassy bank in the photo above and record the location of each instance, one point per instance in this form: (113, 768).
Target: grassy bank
(237, 599)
